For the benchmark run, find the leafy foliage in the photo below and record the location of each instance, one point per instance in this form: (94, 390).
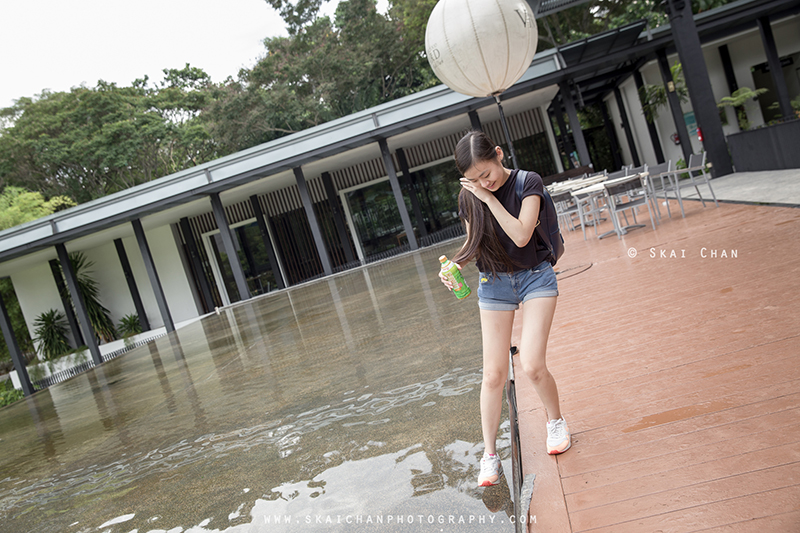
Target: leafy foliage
(8, 394)
(99, 316)
(654, 97)
(17, 324)
(737, 100)
(88, 143)
(324, 69)
(93, 141)
(129, 325)
(18, 205)
(51, 334)
(598, 16)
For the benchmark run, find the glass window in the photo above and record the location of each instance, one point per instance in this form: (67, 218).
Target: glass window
(252, 255)
(376, 218)
(254, 259)
(437, 189)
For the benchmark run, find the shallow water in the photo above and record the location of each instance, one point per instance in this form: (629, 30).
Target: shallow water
(347, 404)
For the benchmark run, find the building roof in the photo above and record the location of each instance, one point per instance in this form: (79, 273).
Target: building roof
(542, 8)
(337, 136)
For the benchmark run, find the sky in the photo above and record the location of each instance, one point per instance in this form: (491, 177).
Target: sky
(57, 45)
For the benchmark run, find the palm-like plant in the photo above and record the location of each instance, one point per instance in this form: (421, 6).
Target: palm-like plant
(51, 334)
(99, 316)
(129, 325)
(653, 97)
(737, 99)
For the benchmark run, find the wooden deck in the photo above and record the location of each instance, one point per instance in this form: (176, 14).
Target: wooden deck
(679, 378)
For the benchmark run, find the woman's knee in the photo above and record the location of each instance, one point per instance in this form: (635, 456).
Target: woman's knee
(494, 378)
(536, 372)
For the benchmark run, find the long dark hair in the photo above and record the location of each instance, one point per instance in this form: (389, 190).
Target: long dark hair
(482, 242)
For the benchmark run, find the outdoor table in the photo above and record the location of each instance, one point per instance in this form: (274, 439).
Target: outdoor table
(601, 189)
(575, 184)
(585, 195)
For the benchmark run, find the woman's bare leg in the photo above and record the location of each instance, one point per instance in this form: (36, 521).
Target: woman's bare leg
(496, 331)
(537, 317)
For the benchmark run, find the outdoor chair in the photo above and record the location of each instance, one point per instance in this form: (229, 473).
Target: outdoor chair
(632, 193)
(566, 207)
(657, 175)
(630, 171)
(629, 194)
(618, 174)
(589, 210)
(697, 163)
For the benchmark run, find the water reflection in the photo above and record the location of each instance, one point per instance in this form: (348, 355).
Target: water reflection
(350, 400)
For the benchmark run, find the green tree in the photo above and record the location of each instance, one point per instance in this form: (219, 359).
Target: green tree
(297, 14)
(18, 206)
(597, 16)
(90, 142)
(323, 70)
(17, 324)
(99, 315)
(51, 334)
(654, 97)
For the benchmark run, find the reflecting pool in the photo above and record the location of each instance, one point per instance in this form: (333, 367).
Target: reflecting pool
(346, 404)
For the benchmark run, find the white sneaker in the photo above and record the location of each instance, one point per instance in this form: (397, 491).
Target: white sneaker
(558, 437)
(491, 470)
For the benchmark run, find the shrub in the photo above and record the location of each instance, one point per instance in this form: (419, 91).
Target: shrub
(51, 334)
(8, 394)
(129, 325)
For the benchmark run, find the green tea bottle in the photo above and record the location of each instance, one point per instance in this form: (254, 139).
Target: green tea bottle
(451, 271)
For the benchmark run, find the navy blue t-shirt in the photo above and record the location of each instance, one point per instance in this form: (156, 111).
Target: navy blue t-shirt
(535, 251)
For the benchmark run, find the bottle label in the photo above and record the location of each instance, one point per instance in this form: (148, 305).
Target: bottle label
(460, 287)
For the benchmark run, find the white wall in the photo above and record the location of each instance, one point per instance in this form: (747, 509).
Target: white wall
(641, 135)
(36, 291)
(613, 114)
(171, 273)
(551, 138)
(665, 125)
(142, 282)
(113, 289)
(114, 292)
(747, 50)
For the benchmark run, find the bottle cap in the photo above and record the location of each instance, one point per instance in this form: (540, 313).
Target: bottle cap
(442, 259)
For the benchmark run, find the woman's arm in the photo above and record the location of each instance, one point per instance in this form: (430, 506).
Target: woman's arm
(519, 230)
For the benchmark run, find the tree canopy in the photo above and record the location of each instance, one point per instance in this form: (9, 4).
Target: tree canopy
(18, 206)
(88, 143)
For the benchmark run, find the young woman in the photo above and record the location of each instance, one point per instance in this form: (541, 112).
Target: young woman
(514, 269)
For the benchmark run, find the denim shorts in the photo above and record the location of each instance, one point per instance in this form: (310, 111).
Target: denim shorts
(504, 292)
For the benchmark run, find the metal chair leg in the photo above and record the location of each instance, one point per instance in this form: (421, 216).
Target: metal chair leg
(708, 183)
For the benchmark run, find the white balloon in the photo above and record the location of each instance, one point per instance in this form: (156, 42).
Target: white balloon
(480, 47)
